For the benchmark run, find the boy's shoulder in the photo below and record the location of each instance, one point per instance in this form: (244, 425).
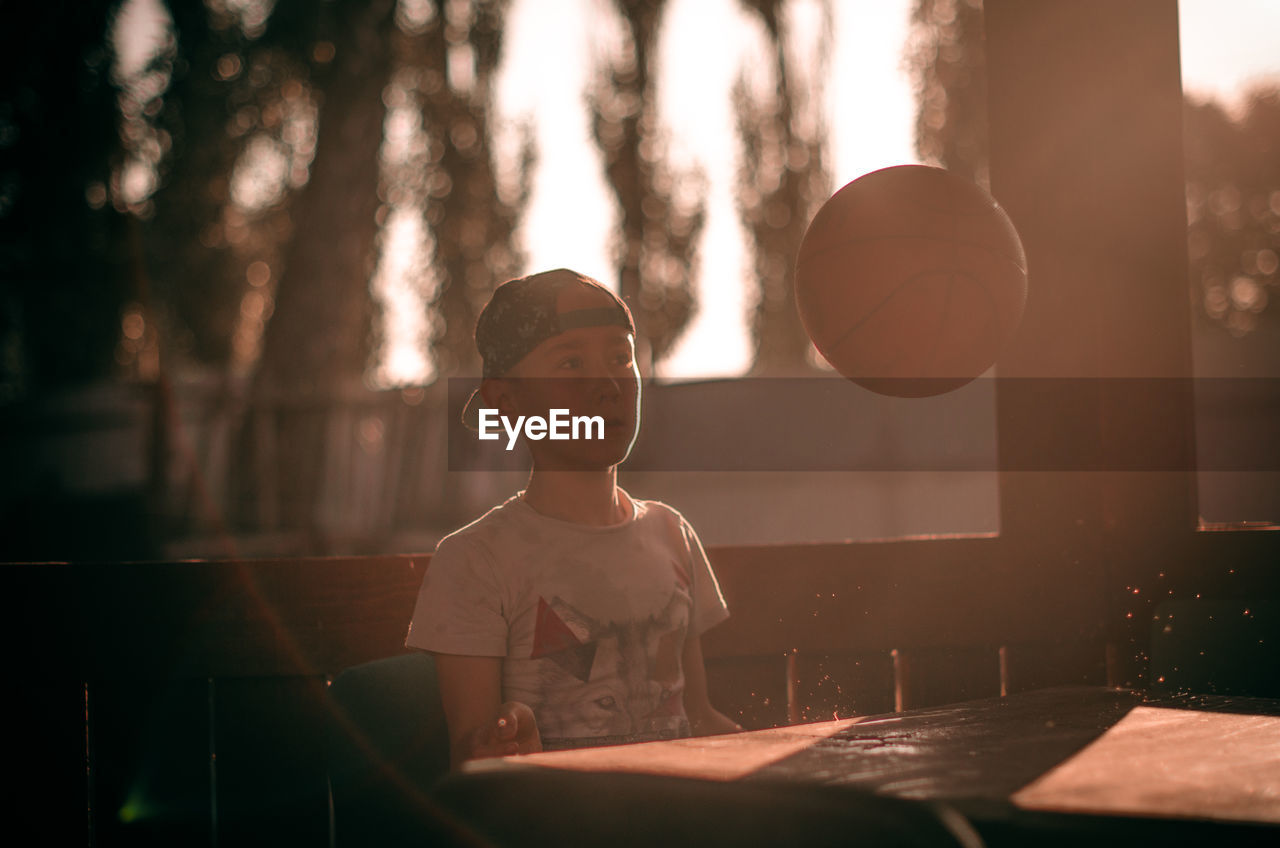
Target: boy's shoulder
(515, 517)
(494, 523)
(649, 508)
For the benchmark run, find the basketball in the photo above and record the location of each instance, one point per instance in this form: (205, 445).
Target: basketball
(910, 280)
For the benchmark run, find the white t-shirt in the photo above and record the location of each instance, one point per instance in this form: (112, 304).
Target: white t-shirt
(591, 620)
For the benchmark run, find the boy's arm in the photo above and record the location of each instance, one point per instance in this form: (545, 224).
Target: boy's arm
(480, 724)
(704, 719)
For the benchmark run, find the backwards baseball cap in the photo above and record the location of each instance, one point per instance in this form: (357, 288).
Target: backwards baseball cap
(525, 312)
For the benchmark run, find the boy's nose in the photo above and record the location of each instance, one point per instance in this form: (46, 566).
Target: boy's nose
(608, 385)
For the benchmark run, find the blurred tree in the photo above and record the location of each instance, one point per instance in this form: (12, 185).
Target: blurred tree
(197, 297)
(782, 181)
(1233, 209)
(238, 128)
(318, 337)
(63, 250)
(471, 212)
(237, 123)
(948, 60)
(661, 214)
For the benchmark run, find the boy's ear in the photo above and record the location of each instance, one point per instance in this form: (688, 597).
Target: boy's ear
(499, 394)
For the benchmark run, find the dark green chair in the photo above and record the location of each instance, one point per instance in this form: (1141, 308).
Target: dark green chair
(387, 744)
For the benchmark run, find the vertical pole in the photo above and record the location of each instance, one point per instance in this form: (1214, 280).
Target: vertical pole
(1085, 112)
(901, 681)
(794, 712)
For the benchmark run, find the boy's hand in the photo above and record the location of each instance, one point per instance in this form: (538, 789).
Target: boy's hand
(512, 731)
(713, 722)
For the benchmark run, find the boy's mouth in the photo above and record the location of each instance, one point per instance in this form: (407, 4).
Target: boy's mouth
(616, 422)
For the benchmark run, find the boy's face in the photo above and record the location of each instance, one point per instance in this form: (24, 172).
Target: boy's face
(589, 371)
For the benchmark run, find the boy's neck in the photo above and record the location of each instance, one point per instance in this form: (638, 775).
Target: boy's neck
(582, 497)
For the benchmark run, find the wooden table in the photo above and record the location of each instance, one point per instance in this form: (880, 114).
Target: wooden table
(1058, 766)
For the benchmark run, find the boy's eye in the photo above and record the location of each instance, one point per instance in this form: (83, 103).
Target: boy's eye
(570, 362)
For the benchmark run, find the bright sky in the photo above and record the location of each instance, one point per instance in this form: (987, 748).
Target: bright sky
(1227, 44)
(552, 46)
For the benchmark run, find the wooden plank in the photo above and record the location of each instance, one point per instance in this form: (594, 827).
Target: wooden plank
(986, 749)
(1171, 763)
(314, 616)
(885, 595)
(730, 757)
(212, 619)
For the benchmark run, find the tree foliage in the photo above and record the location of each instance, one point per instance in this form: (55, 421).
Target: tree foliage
(472, 213)
(271, 192)
(659, 226)
(1233, 209)
(947, 55)
(782, 180)
(319, 334)
(232, 96)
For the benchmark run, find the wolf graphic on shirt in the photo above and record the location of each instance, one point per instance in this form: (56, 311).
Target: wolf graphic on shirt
(607, 683)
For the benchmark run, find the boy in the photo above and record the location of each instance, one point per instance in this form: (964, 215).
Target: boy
(571, 614)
